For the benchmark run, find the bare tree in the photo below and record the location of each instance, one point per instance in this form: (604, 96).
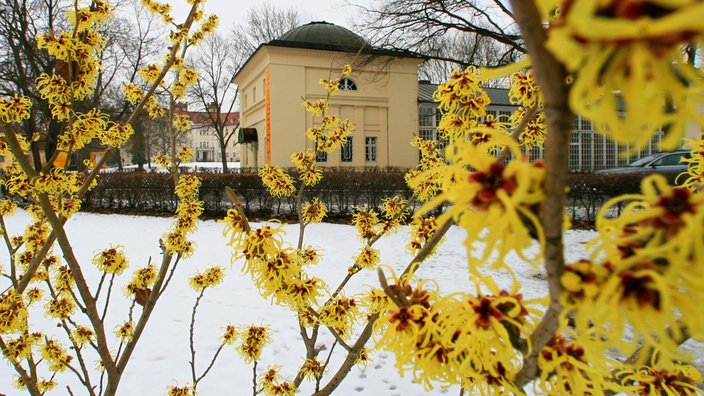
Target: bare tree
(458, 50)
(216, 63)
(452, 33)
(131, 41)
(134, 39)
(263, 24)
(21, 62)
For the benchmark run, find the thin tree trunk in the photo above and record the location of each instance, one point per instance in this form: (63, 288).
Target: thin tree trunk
(551, 76)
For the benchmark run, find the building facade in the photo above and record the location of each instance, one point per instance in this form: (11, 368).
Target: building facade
(379, 98)
(589, 150)
(204, 141)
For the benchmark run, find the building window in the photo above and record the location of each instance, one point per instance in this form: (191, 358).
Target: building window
(346, 151)
(428, 117)
(370, 148)
(585, 125)
(203, 132)
(581, 124)
(203, 144)
(322, 156)
(347, 84)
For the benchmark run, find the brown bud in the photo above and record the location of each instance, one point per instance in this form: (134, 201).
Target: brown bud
(142, 295)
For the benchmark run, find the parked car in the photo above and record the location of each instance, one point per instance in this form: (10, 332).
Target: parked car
(668, 163)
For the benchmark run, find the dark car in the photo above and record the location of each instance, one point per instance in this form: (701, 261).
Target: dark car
(668, 163)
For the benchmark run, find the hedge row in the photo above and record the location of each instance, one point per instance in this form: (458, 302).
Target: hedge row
(589, 191)
(342, 190)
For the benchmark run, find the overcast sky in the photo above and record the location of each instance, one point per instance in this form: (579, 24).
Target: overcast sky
(231, 11)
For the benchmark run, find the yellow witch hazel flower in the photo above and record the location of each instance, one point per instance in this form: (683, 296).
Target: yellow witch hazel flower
(185, 154)
(142, 280)
(111, 260)
(15, 109)
(312, 369)
(472, 340)
(564, 370)
(645, 275)
(278, 182)
(347, 70)
(492, 201)
(125, 331)
(55, 355)
(462, 100)
(368, 258)
(694, 177)
(317, 108)
(422, 229)
(310, 172)
(631, 76)
(133, 93)
(13, 312)
(230, 335)
(254, 338)
(116, 135)
(525, 91)
(86, 127)
(314, 211)
(21, 347)
(150, 73)
(375, 300)
(163, 161)
(263, 242)
(182, 123)
(534, 133)
(301, 293)
(60, 308)
(188, 186)
(674, 379)
(179, 391)
(82, 335)
(332, 86)
(209, 278)
(340, 314)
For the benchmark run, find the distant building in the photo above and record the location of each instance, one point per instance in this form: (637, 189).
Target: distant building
(589, 149)
(379, 98)
(429, 116)
(205, 144)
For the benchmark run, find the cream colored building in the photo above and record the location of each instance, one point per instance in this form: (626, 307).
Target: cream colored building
(379, 97)
(205, 144)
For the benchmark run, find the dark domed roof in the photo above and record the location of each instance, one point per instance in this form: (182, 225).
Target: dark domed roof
(321, 35)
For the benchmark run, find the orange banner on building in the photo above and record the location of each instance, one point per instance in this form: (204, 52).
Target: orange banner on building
(267, 99)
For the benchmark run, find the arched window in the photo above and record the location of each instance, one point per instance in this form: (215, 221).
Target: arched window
(347, 84)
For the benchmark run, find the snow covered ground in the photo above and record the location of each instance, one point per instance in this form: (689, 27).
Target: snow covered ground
(189, 166)
(162, 356)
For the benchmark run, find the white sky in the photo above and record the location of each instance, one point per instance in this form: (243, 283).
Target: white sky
(230, 11)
